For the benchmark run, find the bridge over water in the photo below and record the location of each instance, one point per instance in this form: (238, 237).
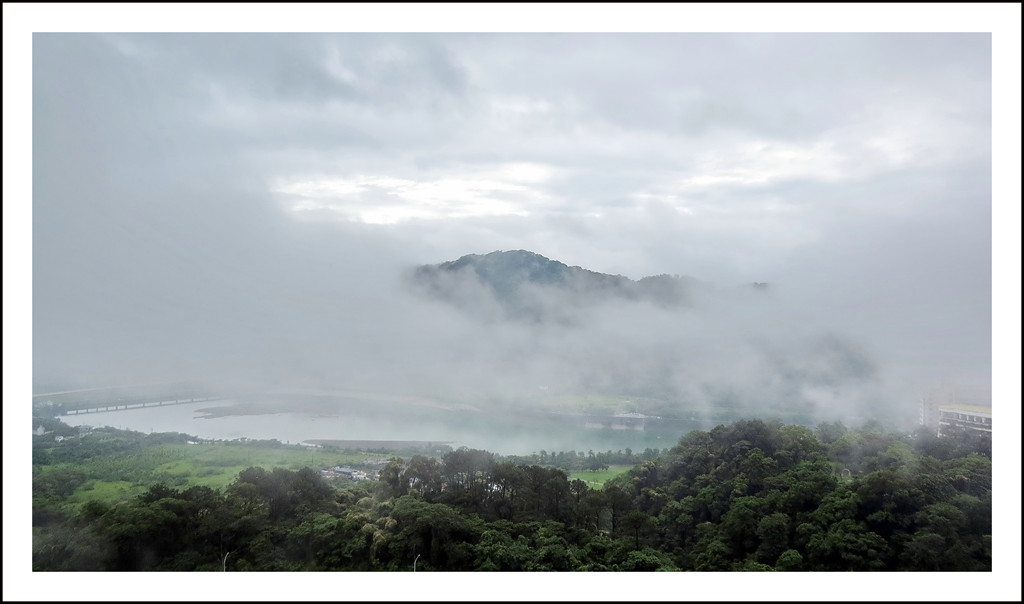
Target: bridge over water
(119, 398)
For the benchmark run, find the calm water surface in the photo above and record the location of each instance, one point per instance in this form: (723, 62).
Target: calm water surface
(498, 435)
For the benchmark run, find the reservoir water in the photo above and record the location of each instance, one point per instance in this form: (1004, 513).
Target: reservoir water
(501, 434)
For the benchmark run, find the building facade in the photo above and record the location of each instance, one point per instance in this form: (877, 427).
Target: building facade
(948, 406)
(978, 419)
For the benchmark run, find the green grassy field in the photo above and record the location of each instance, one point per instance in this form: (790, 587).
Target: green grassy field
(597, 478)
(106, 491)
(217, 466)
(181, 466)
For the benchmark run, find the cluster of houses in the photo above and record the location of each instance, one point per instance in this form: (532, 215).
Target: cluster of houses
(347, 472)
(40, 431)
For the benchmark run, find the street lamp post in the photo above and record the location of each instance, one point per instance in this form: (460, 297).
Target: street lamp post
(414, 562)
(224, 563)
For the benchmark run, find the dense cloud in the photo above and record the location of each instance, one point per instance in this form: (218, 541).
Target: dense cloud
(243, 208)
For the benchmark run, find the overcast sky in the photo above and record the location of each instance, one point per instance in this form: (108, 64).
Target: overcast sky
(242, 204)
(221, 192)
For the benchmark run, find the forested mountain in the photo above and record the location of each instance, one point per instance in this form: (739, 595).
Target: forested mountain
(527, 285)
(749, 496)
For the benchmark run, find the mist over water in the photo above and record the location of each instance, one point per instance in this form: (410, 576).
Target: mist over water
(203, 218)
(504, 437)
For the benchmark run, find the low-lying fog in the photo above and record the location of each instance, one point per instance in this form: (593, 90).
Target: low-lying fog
(235, 210)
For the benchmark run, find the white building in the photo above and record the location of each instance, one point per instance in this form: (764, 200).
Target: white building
(950, 405)
(978, 419)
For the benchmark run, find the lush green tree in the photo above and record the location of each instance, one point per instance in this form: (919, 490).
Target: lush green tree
(739, 525)
(773, 531)
(751, 496)
(789, 560)
(828, 433)
(796, 444)
(847, 546)
(646, 560)
(937, 543)
(799, 490)
(510, 480)
(439, 532)
(499, 551)
(971, 474)
(638, 523)
(618, 501)
(690, 457)
(713, 554)
(392, 477)
(422, 476)
(590, 509)
(552, 552)
(72, 547)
